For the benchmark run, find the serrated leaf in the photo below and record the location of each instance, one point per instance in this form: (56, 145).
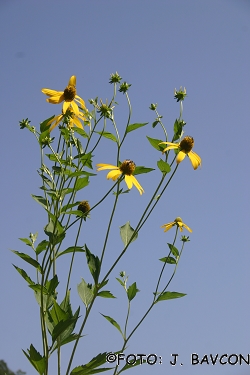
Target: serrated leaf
(106, 294)
(35, 358)
(85, 292)
(71, 249)
(141, 169)
(135, 126)
(163, 166)
(113, 322)
(29, 260)
(126, 232)
(108, 136)
(173, 250)
(169, 295)
(132, 291)
(169, 260)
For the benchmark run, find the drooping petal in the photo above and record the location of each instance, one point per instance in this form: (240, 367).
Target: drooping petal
(181, 155)
(77, 122)
(72, 81)
(81, 101)
(56, 99)
(195, 159)
(75, 108)
(56, 121)
(131, 179)
(66, 106)
(168, 226)
(114, 174)
(102, 166)
(185, 226)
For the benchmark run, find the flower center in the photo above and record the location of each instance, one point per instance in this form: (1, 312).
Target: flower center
(178, 219)
(69, 93)
(187, 144)
(127, 167)
(84, 206)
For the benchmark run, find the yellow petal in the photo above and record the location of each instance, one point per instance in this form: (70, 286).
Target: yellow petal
(51, 92)
(66, 106)
(72, 81)
(81, 101)
(181, 155)
(170, 147)
(75, 108)
(133, 181)
(195, 159)
(56, 99)
(59, 118)
(114, 174)
(168, 226)
(185, 226)
(77, 122)
(102, 166)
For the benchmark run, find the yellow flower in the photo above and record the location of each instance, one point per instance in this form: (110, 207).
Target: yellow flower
(68, 96)
(185, 147)
(73, 120)
(178, 221)
(126, 168)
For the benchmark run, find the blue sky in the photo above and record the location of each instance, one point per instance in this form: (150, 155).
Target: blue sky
(156, 46)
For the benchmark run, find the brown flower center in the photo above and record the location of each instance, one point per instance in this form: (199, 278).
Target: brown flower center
(187, 144)
(84, 206)
(127, 167)
(69, 93)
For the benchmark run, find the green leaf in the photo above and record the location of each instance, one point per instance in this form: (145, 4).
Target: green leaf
(85, 292)
(135, 126)
(120, 281)
(41, 246)
(178, 126)
(81, 183)
(155, 143)
(141, 169)
(91, 367)
(106, 294)
(173, 250)
(163, 166)
(26, 240)
(169, 295)
(93, 264)
(51, 285)
(132, 291)
(44, 126)
(71, 249)
(128, 366)
(169, 260)
(41, 200)
(24, 275)
(44, 136)
(67, 206)
(126, 232)
(55, 233)
(108, 135)
(81, 132)
(36, 359)
(29, 260)
(113, 322)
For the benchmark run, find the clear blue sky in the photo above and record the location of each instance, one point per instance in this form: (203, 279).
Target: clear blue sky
(157, 46)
